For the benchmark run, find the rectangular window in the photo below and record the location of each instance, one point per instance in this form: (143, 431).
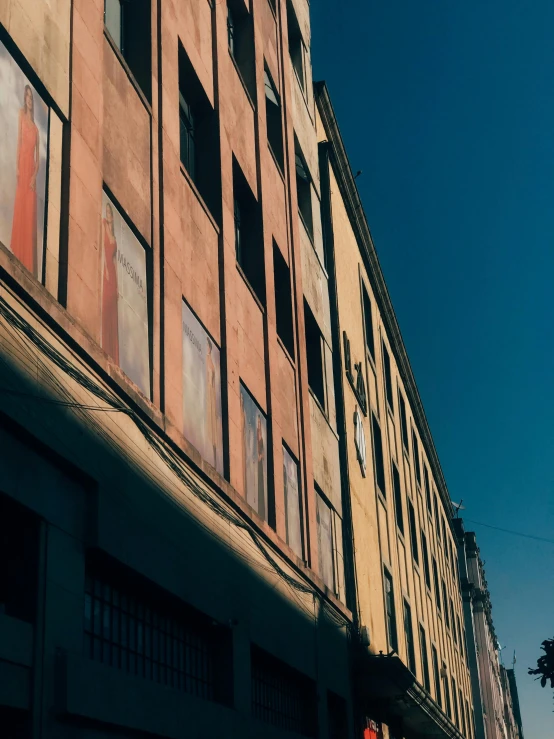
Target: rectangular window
(314, 353)
(130, 30)
(462, 712)
(445, 603)
(254, 454)
(19, 541)
(368, 323)
(199, 136)
(303, 190)
(424, 659)
(249, 243)
(403, 422)
(378, 456)
(282, 696)
(273, 118)
(388, 377)
(293, 520)
(283, 300)
(413, 531)
(453, 621)
(427, 488)
(132, 625)
(436, 584)
(202, 414)
(436, 675)
(425, 554)
(125, 329)
(325, 542)
(436, 507)
(296, 45)
(446, 688)
(24, 196)
(397, 498)
(455, 703)
(443, 526)
(240, 37)
(390, 612)
(409, 635)
(415, 447)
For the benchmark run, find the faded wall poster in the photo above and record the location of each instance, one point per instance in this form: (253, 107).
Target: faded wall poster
(254, 450)
(124, 331)
(23, 164)
(292, 503)
(202, 391)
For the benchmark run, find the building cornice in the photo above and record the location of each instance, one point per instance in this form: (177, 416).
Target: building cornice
(358, 221)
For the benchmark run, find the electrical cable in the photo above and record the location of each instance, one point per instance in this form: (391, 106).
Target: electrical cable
(162, 450)
(510, 531)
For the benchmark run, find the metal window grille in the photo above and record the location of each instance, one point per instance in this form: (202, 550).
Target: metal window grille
(281, 696)
(132, 632)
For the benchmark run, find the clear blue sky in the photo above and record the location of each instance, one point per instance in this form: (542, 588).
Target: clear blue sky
(448, 108)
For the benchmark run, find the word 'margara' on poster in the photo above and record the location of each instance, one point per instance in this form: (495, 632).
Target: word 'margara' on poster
(202, 391)
(124, 334)
(254, 450)
(23, 164)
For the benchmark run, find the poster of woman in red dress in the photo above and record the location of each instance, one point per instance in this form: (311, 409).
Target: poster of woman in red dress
(110, 333)
(24, 224)
(24, 121)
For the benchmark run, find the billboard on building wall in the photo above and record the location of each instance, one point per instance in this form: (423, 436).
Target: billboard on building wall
(202, 424)
(292, 503)
(254, 452)
(23, 165)
(124, 332)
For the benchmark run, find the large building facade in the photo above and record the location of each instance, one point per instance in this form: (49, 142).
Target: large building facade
(170, 488)
(220, 502)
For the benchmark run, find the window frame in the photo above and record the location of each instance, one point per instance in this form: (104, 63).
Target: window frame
(389, 392)
(378, 456)
(397, 493)
(409, 637)
(392, 628)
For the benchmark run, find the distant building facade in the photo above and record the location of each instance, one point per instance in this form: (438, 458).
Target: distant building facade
(493, 697)
(411, 671)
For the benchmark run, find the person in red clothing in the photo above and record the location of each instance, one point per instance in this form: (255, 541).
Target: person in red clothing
(24, 225)
(110, 333)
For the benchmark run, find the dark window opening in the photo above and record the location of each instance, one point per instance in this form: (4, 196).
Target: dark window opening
(445, 603)
(446, 691)
(296, 45)
(390, 612)
(425, 554)
(273, 119)
(427, 488)
(337, 716)
(453, 622)
(304, 190)
(424, 659)
(249, 245)
(436, 508)
(455, 703)
(240, 38)
(415, 446)
(282, 696)
(388, 378)
(397, 498)
(378, 456)
(462, 712)
(314, 352)
(199, 136)
(132, 625)
(283, 300)
(436, 583)
(436, 675)
(19, 539)
(408, 631)
(368, 323)
(413, 531)
(328, 530)
(403, 422)
(129, 25)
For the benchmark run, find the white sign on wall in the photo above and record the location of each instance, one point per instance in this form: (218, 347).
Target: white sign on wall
(359, 441)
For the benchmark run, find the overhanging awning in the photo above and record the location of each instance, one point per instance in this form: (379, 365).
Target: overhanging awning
(393, 695)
